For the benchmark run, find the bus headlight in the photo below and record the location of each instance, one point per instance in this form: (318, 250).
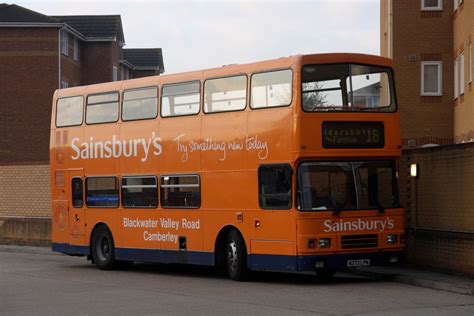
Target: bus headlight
(324, 242)
(392, 239)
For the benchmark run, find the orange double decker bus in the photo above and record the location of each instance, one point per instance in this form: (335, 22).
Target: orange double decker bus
(282, 165)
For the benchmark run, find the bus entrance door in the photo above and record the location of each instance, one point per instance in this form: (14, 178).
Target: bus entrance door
(77, 218)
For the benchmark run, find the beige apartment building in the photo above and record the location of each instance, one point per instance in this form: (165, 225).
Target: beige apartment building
(430, 42)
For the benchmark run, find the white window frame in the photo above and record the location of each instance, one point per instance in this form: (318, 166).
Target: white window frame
(64, 43)
(76, 49)
(456, 5)
(64, 84)
(470, 62)
(440, 78)
(438, 8)
(456, 79)
(461, 74)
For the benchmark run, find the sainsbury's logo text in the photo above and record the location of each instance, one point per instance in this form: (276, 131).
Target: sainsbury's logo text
(360, 224)
(138, 147)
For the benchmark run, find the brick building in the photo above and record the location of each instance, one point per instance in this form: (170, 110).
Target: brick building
(39, 54)
(430, 42)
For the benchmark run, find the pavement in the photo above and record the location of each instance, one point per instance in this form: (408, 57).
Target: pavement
(406, 274)
(421, 277)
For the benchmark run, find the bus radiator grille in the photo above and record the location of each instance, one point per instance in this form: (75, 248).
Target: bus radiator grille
(359, 241)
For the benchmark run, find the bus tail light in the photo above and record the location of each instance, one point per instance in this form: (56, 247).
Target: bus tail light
(325, 243)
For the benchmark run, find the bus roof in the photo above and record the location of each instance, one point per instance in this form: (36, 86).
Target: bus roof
(228, 70)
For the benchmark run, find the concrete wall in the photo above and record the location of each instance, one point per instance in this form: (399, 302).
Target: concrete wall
(440, 206)
(25, 231)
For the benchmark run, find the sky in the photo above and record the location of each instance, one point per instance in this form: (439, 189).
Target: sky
(204, 34)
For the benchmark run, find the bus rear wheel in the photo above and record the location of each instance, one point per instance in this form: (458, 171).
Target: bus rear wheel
(103, 249)
(236, 257)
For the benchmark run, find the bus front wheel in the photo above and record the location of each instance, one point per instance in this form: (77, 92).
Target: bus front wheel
(103, 250)
(236, 257)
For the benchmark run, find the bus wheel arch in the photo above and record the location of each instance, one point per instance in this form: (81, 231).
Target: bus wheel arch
(102, 247)
(231, 253)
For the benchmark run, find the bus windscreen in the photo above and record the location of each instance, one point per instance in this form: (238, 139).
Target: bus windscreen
(347, 87)
(347, 185)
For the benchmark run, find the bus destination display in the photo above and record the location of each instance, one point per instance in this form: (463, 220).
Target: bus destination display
(353, 135)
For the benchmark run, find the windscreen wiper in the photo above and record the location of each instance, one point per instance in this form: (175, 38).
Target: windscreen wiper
(380, 207)
(338, 208)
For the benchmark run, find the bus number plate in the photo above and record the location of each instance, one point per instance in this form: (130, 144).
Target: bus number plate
(358, 263)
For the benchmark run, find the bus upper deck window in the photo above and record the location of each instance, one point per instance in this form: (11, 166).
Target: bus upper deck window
(347, 87)
(225, 94)
(271, 89)
(102, 108)
(180, 99)
(140, 104)
(69, 111)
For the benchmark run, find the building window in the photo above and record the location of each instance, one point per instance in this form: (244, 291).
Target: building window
(76, 49)
(180, 191)
(274, 186)
(461, 74)
(431, 5)
(139, 192)
(114, 73)
(64, 44)
(77, 193)
(102, 108)
(180, 99)
(271, 89)
(140, 104)
(431, 78)
(64, 84)
(102, 192)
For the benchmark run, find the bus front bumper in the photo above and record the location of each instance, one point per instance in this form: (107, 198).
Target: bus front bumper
(345, 261)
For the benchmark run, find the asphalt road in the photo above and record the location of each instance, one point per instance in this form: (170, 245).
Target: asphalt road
(42, 283)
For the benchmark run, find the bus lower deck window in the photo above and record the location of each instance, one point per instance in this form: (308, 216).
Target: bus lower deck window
(102, 192)
(274, 186)
(139, 192)
(180, 191)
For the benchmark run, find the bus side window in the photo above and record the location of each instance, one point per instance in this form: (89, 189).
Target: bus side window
(102, 108)
(271, 89)
(77, 193)
(180, 191)
(69, 111)
(139, 192)
(274, 185)
(180, 99)
(102, 192)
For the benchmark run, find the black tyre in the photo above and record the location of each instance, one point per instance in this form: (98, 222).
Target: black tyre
(103, 249)
(236, 257)
(325, 274)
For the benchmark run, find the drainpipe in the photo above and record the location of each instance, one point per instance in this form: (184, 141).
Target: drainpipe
(59, 56)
